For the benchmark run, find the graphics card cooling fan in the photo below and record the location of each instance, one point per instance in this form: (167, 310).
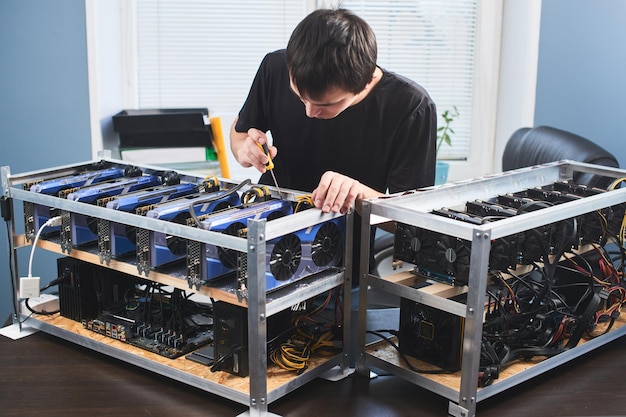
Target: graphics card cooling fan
(305, 252)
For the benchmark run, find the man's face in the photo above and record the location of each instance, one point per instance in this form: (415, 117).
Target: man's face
(329, 105)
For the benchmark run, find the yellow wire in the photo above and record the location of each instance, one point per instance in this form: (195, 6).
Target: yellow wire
(302, 201)
(615, 183)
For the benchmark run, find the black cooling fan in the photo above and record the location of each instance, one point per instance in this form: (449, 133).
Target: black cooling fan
(326, 245)
(453, 255)
(535, 244)
(597, 226)
(176, 244)
(131, 233)
(92, 224)
(616, 218)
(286, 257)
(275, 215)
(222, 205)
(228, 256)
(564, 235)
(413, 244)
(503, 254)
(593, 225)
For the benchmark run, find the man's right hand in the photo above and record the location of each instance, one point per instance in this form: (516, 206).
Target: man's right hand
(246, 150)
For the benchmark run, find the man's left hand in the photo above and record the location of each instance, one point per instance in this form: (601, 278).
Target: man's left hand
(337, 193)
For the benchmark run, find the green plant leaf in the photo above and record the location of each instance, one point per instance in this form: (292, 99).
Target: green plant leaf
(445, 131)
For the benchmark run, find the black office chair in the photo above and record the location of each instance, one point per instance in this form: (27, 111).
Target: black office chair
(543, 144)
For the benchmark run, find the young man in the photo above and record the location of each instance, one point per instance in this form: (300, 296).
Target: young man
(342, 128)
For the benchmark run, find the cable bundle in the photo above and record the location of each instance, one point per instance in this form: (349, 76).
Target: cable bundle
(312, 335)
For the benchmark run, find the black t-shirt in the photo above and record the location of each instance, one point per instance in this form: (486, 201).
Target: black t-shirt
(386, 141)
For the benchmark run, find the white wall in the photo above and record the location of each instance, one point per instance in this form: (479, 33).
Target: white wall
(518, 71)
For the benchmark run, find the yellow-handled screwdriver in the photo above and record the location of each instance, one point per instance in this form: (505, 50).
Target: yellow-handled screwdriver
(270, 165)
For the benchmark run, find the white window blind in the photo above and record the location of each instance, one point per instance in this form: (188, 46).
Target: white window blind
(432, 42)
(205, 53)
(198, 53)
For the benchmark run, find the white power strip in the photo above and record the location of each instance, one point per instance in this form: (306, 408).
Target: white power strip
(29, 287)
(45, 303)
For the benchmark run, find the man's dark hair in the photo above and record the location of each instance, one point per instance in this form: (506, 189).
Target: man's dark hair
(331, 48)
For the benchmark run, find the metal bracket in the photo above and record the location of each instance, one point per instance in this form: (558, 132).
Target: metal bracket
(457, 411)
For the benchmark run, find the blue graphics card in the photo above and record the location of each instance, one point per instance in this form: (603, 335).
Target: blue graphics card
(116, 239)
(155, 249)
(288, 258)
(92, 194)
(83, 229)
(218, 260)
(35, 215)
(54, 186)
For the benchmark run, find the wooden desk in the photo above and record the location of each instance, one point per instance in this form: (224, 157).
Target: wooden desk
(46, 376)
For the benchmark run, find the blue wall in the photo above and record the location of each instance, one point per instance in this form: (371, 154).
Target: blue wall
(44, 103)
(581, 79)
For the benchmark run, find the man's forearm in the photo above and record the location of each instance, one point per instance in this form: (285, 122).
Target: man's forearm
(236, 140)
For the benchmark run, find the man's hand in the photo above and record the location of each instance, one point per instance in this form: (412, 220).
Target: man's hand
(246, 150)
(337, 193)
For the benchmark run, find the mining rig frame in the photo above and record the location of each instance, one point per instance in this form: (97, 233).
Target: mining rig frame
(257, 390)
(415, 208)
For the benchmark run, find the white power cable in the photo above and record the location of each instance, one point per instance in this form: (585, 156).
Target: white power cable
(53, 221)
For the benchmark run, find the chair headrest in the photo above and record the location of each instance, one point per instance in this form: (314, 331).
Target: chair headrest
(542, 144)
